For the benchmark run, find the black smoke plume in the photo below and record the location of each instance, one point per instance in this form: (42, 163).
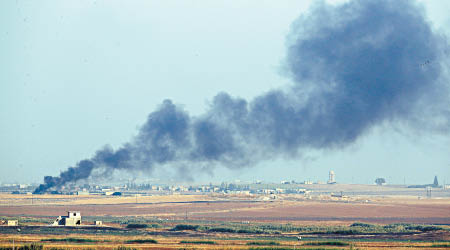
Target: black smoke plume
(354, 66)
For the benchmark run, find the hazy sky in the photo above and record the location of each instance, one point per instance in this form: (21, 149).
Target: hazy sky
(76, 75)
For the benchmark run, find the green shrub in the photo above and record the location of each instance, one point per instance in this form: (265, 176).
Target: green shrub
(222, 230)
(250, 231)
(263, 243)
(142, 241)
(360, 224)
(207, 242)
(137, 226)
(326, 243)
(423, 228)
(182, 227)
(76, 240)
(344, 232)
(443, 245)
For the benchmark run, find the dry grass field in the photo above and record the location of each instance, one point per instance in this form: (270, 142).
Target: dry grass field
(213, 242)
(230, 222)
(287, 208)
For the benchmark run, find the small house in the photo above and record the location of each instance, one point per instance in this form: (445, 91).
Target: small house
(13, 223)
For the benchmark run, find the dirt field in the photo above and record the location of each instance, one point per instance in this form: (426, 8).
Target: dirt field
(320, 212)
(289, 208)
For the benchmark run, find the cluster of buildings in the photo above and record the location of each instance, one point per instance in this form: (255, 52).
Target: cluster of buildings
(161, 189)
(72, 219)
(131, 188)
(16, 188)
(10, 223)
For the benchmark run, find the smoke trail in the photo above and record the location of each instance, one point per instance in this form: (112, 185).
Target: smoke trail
(354, 65)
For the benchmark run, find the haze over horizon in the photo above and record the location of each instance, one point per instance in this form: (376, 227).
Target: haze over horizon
(78, 76)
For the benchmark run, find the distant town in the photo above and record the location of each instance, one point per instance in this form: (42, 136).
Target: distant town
(145, 188)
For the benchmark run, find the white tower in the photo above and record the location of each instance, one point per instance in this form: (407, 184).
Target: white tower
(331, 178)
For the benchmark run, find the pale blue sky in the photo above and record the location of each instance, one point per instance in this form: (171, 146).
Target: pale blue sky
(76, 75)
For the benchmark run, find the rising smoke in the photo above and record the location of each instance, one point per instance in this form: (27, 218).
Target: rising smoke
(354, 66)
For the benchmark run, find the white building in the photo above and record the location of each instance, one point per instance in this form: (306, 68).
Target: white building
(332, 178)
(72, 219)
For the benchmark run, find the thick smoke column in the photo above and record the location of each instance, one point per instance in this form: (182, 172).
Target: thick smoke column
(354, 65)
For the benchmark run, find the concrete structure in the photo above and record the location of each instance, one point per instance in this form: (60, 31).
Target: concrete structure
(73, 218)
(332, 178)
(13, 223)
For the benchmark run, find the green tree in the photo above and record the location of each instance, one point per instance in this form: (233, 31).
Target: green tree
(380, 181)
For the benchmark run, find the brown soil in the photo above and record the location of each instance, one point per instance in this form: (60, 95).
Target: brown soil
(249, 209)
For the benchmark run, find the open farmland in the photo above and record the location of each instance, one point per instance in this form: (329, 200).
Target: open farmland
(286, 208)
(231, 221)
